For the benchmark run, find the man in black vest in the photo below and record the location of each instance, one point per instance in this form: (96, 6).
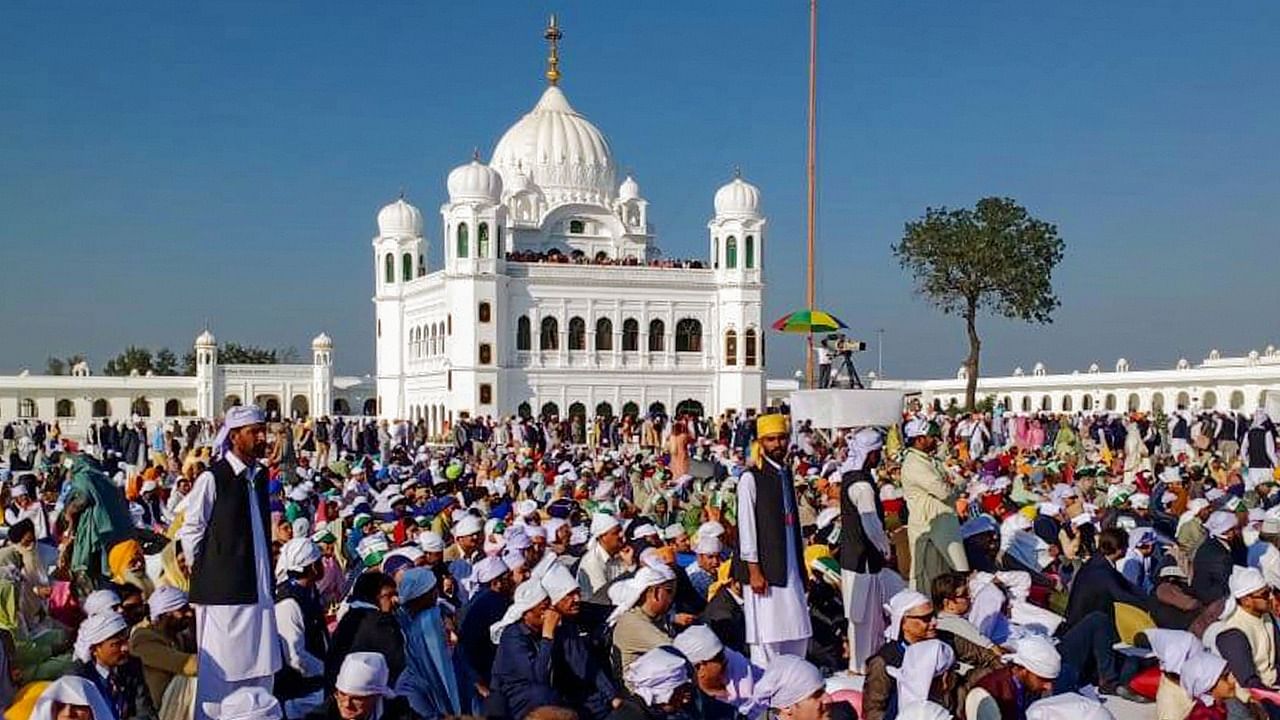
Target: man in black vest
(228, 550)
(1259, 450)
(864, 549)
(770, 550)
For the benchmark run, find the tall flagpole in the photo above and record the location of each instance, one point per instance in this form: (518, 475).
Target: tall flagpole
(811, 171)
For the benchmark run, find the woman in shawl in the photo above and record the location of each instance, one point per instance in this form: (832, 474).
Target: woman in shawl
(38, 641)
(428, 681)
(100, 518)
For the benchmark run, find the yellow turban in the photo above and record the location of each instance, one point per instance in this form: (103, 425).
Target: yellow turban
(771, 424)
(121, 554)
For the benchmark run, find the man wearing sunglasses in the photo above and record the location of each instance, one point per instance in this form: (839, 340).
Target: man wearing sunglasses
(912, 619)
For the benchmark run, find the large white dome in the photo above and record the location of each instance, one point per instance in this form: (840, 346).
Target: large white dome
(399, 218)
(738, 197)
(474, 181)
(567, 156)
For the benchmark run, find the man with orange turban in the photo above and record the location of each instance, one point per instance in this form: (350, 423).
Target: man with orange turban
(770, 563)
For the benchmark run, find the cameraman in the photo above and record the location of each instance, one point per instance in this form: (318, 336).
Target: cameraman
(823, 351)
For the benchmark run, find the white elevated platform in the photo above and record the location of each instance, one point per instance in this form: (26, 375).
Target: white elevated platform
(834, 408)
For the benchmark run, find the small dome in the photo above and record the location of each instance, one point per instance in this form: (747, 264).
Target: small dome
(474, 181)
(205, 339)
(517, 181)
(739, 197)
(322, 342)
(399, 218)
(629, 190)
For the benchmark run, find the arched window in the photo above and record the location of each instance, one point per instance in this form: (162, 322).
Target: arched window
(406, 267)
(688, 335)
(550, 410)
(485, 312)
(500, 254)
(522, 333)
(630, 335)
(389, 268)
(341, 406)
(172, 407)
(64, 409)
(1026, 403)
(525, 410)
(482, 240)
(749, 261)
(577, 334)
(731, 252)
(604, 334)
(731, 348)
(1045, 403)
(577, 410)
(604, 410)
(1086, 403)
(486, 394)
(1066, 403)
(27, 408)
(422, 266)
(715, 253)
(141, 407)
(101, 408)
(750, 353)
(549, 336)
(630, 409)
(657, 332)
(486, 353)
(462, 240)
(577, 227)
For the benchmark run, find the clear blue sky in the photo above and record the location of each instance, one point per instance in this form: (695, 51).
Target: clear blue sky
(166, 163)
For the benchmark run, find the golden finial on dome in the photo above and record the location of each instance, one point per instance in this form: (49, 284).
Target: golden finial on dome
(553, 36)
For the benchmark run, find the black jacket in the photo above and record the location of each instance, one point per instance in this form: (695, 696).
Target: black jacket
(365, 629)
(128, 695)
(1210, 570)
(1097, 588)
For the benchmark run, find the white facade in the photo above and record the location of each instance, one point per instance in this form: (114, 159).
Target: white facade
(290, 390)
(495, 333)
(1215, 383)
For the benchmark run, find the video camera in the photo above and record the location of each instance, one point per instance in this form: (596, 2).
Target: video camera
(842, 344)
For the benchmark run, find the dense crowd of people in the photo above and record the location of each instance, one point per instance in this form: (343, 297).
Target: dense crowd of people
(966, 565)
(577, 257)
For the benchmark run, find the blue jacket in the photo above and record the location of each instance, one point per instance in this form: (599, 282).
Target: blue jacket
(521, 678)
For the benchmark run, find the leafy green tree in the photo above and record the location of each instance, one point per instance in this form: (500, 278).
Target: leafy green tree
(237, 354)
(133, 358)
(995, 258)
(166, 362)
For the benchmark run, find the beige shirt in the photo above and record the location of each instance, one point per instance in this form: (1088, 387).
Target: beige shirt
(636, 634)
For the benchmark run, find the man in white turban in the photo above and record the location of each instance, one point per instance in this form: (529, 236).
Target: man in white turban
(1246, 636)
(1070, 706)
(75, 693)
(159, 644)
(794, 688)
(933, 530)
(102, 657)
(228, 548)
(865, 574)
(640, 612)
(1007, 692)
(601, 564)
(720, 673)
(660, 680)
(304, 635)
(1211, 567)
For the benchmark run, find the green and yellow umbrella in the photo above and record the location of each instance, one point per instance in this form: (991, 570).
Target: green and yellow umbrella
(809, 321)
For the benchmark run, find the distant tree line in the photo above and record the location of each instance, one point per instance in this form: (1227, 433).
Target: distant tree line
(165, 362)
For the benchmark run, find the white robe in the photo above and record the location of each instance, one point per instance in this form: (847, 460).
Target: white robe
(238, 644)
(865, 594)
(781, 615)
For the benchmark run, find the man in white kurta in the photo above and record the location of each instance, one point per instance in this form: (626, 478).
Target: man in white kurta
(238, 643)
(865, 588)
(777, 619)
(932, 526)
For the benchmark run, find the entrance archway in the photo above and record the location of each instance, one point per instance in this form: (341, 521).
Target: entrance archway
(300, 407)
(604, 410)
(689, 407)
(657, 408)
(370, 407)
(341, 406)
(231, 401)
(550, 410)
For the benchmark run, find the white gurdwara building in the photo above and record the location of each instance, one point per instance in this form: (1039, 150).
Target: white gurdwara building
(554, 298)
